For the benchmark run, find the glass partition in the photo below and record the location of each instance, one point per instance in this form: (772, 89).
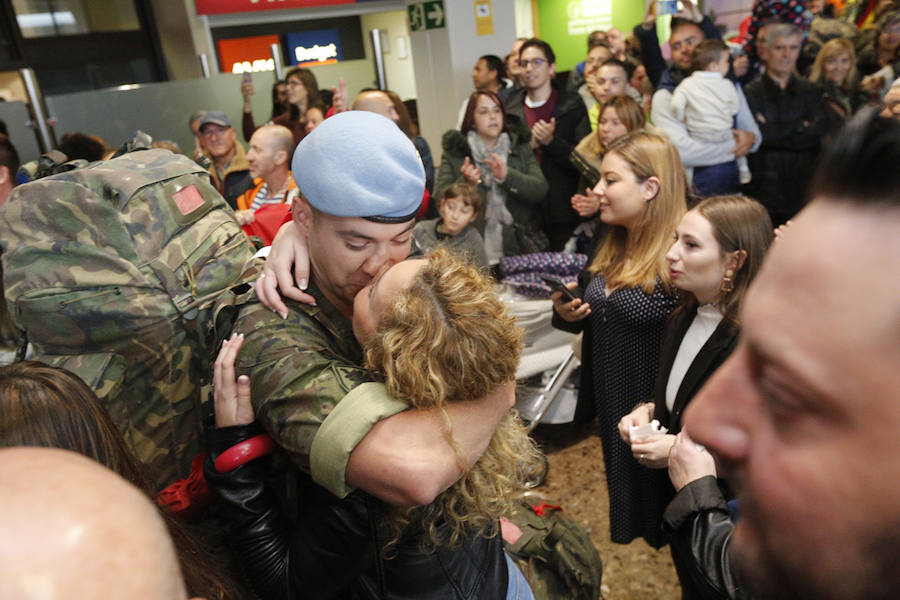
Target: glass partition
(162, 109)
(159, 109)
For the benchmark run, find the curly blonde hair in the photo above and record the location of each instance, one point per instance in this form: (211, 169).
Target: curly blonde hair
(448, 338)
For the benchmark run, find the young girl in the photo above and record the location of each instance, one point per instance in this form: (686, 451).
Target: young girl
(426, 327)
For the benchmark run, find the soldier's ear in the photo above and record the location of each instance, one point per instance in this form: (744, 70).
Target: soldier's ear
(4, 175)
(302, 214)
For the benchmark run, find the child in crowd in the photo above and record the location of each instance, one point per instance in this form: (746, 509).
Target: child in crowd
(459, 206)
(706, 101)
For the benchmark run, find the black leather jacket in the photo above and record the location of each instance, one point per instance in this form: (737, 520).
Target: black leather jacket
(700, 527)
(331, 549)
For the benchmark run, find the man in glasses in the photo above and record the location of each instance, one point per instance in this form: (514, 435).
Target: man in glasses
(558, 121)
(891, 101)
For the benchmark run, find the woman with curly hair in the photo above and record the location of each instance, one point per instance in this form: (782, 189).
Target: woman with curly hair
(426, 327)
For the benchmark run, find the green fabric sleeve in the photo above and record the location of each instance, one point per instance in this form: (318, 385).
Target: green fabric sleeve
(348, 423)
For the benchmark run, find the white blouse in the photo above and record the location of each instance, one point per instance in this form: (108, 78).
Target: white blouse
(702, 327)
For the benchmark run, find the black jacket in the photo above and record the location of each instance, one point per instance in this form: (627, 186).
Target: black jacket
(331, 548)
(792, 122)
(711, 356)
(694, 537)
(700, 527)
(571, 126)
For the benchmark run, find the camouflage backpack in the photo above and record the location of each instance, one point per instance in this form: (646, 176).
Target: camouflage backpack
(556, 555)
(114, 271)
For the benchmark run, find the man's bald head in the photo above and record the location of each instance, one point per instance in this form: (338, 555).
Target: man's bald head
(75, 529)
(278, 137)
(378, 102)
(271, 149)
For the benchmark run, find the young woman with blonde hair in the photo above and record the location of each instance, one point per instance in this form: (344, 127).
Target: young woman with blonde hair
(627, 298)
(834, 70)
(618, 116)
(426, 327)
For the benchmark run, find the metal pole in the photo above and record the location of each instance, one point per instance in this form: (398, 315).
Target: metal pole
(46, 136)
(380, 78)
(204, 65)
(548, 396)
(275, 49)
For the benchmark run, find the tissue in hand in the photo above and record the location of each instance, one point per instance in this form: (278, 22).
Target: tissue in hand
(639, 434)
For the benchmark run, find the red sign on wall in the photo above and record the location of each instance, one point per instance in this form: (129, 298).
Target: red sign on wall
(218, 7)
(248, 54)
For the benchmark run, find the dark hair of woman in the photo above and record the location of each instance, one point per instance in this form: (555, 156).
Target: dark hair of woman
(50, 407)
(468, 122)
(277, 107)
(308, 80)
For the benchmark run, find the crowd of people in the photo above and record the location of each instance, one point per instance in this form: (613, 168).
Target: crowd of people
(363, 444)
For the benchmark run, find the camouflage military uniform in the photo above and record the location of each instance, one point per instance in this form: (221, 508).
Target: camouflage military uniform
(309, 390)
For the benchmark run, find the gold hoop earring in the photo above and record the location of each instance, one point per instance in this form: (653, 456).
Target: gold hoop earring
(728, 281)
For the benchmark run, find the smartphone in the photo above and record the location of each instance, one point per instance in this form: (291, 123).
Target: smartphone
(558, 286)
(248, 78)
(667, 7)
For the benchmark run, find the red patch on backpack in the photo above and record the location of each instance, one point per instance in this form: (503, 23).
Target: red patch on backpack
(188, 199)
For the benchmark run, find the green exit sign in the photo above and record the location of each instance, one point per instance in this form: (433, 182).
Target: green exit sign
(426, 15)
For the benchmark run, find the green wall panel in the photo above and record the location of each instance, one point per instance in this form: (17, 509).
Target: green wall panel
(565, 24)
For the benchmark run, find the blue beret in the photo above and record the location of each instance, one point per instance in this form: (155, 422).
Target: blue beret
(359, 164)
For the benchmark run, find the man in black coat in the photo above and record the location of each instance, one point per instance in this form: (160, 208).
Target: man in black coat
(790, 112)
(558, 120)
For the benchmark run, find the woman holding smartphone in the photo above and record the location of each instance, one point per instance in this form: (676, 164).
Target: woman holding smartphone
(628, 295)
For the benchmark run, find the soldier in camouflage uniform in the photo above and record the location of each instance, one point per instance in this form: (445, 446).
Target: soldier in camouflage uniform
(361, 184)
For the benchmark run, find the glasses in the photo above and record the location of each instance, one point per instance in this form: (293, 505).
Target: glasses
(689, 42)
(534, 62)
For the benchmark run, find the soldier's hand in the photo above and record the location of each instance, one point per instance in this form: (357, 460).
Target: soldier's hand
(288, 257)
(231, 398)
